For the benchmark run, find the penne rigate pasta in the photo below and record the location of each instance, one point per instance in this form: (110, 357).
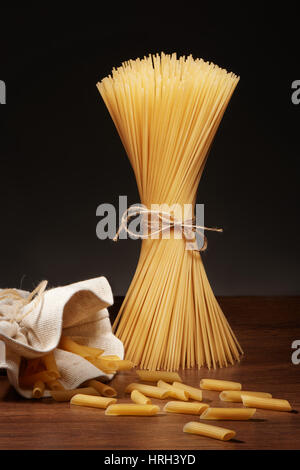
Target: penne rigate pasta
(139, 398)
(110, 365)
(104, 389)
(92, 401)
(111, 357)
(129, 409)
(67, 344)
(92, 351)
(66, 395)
(235, 414)
(148, 390)
(55, 385)
(43, 376)
(274, 404)
(219, 385)
(156, 375)
(106, 364)
(32, 366)
(235, 396)
(193, 392)
(123, 365)
(173, 392)
(208, 430)
(38, 389)
(190, 408)
(50, 364)
(102, 364)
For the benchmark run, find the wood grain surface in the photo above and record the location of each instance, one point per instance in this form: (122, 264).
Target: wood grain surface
(265, 327)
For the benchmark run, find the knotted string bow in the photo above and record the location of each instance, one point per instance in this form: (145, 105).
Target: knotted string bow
(168, 220)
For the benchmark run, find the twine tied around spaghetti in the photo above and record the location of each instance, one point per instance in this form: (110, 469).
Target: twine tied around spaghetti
(168, 220)
(20, 302)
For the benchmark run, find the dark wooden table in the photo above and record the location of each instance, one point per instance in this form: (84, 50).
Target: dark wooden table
(265, 327)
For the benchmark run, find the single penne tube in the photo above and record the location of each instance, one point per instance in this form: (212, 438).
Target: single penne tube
(274, 404)
(174, 392)
(109, 365)
(55, 385)
(66, 395)
(156, 375)
(219, 385)
(69, 345)
(123, 365)
(104, 389)
(234, 414)
(50, 364)
(129, 409)
(148, 390)
(33, 366)
(43, 376)
(38, 389)
(97, 352)
(102, 364)
(207, 430)
(140, 398)
(194, 393)
(111, 357)
(190, 408)
(235, 396)
(92, 401)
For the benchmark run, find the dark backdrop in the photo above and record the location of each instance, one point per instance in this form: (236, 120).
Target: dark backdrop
(60, 155)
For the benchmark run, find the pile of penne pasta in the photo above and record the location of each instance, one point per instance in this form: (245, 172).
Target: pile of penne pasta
(42, 373)
(169, 384)
(185, 399)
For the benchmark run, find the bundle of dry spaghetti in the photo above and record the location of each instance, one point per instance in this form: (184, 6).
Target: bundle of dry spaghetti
(167, 111)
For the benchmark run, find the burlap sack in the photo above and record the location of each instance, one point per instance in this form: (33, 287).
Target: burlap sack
(31, 325)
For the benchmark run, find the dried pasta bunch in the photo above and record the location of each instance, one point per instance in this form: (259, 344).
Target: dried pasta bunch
(167, 111)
